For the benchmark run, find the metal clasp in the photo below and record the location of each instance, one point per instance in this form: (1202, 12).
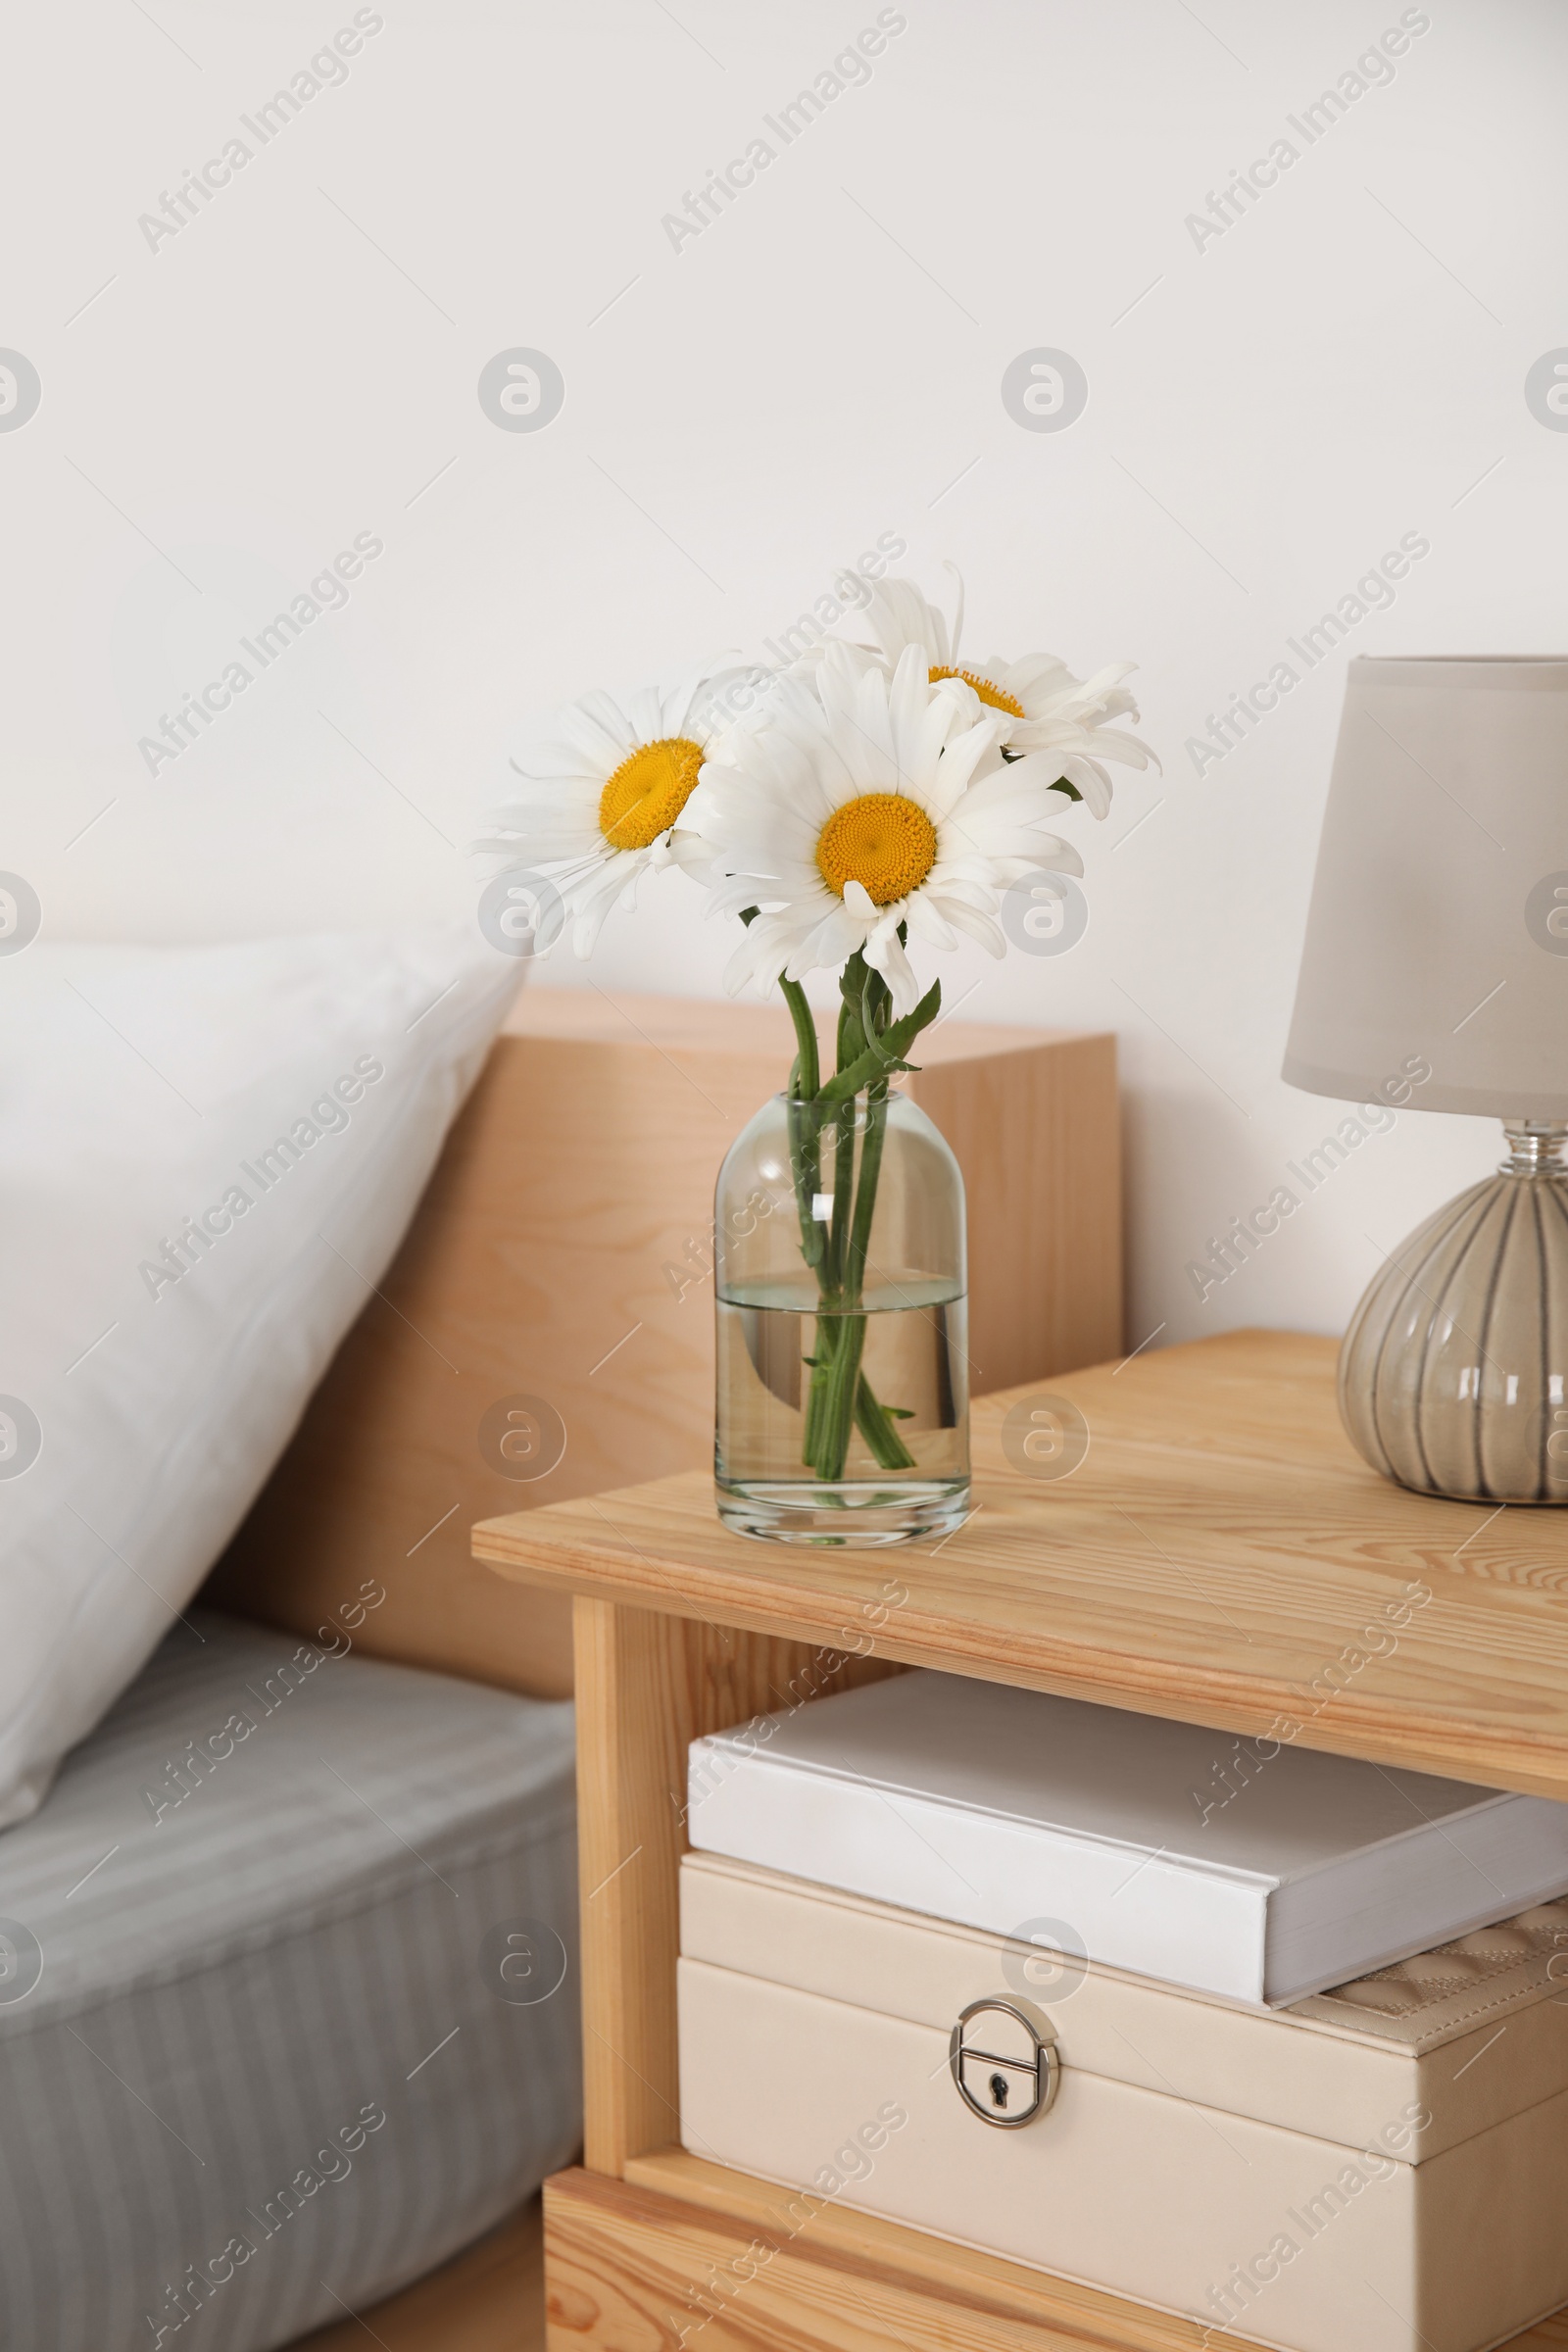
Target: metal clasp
(1003, 2058)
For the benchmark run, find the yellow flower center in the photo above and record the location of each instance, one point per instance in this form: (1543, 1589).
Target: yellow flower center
(997, 696)
(880, 840)
(648, 792)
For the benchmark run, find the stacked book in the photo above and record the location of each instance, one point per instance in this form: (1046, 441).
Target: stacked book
(1273, 2038)
(1250, 1868)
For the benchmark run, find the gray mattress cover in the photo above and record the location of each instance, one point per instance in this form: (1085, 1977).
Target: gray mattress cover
(287, 1994)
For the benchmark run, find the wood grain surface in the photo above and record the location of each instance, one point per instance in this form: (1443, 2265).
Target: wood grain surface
(684, 2244)
(562, 1250)
(1222, 1555)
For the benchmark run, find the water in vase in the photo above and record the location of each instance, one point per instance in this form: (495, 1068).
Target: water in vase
(894, 1373)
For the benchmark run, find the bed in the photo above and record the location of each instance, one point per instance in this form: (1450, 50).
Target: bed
(373, 1882)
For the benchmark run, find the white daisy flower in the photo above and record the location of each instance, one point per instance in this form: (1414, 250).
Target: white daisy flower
(1048, 717)
(871, 804)
(598, 806)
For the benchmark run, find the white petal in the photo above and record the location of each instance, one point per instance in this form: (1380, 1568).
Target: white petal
(961, 758)
(1110, 743)
(900, 617)
(885, 955)
(977, 922)
(963, 696)
(592, 902)
(926, 920)
(598, 732)
(922, 720)
(1094, 785)
(1038, 673)
(829, 943)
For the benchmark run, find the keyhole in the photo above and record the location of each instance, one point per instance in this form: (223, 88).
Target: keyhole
(999, 2090)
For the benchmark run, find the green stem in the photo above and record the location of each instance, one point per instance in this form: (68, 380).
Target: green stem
(872, 1420)
(805, 1168)
(851, 1044)
(878, 1428)
(876, 1127)
(838, 1404)
(843, 1193)
(816, 1396)
(848, 1393)
(841, 1397)
(809, 1077)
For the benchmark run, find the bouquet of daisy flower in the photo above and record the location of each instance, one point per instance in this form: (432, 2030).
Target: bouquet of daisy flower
(873, 801)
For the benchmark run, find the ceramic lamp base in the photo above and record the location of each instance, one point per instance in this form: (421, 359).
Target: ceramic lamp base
(1452, 1372)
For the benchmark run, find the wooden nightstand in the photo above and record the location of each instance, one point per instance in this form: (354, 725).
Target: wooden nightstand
(1212, 1557)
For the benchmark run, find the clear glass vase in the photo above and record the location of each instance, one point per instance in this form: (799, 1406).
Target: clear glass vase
(843, 1401)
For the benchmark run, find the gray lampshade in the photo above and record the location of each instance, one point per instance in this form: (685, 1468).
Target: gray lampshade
(1436, 933)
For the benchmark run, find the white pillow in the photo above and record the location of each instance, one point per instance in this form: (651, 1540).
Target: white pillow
(207, 1158)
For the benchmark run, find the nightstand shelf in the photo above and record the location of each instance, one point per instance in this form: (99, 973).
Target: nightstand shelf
(1213, 1558)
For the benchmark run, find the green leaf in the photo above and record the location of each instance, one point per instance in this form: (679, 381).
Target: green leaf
(899, 1036)
(866, 1069)
(876, 1007)
(851, 1033)
(885, 1055)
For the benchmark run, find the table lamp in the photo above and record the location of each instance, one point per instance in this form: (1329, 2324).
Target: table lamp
(1435, 972)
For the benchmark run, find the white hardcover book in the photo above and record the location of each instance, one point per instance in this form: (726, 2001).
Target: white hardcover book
(1254, 1871)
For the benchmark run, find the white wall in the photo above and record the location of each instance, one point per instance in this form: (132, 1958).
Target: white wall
(1344, 364)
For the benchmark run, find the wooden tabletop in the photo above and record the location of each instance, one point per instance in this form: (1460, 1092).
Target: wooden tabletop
(1222, 1555)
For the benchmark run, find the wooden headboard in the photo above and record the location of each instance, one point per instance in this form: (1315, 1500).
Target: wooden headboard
(560, 1253)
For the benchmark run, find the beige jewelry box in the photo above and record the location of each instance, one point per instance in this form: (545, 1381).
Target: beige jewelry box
(1378, 2169)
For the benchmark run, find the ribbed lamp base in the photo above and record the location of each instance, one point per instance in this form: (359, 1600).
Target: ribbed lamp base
(1452, 1372)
